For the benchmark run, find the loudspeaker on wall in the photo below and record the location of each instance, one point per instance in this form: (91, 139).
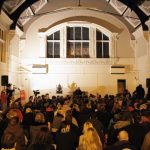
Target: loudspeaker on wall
(4, 80)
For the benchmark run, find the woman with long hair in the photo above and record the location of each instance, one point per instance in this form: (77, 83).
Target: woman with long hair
(90, 139)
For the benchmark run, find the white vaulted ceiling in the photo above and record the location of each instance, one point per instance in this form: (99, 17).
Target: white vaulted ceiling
(41, 7)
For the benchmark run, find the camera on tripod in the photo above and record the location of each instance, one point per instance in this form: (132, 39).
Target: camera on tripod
(36, 92)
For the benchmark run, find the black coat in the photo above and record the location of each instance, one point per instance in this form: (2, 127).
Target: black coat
(66, 141)
(120, 145)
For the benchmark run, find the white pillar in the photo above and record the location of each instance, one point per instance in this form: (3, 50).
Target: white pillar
(42, 38)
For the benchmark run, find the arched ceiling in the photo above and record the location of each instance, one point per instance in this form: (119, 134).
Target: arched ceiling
(133, 13)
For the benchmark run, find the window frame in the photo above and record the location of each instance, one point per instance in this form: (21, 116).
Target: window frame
(92, 41)
(102, 41)
(53, 41)
(75, 41)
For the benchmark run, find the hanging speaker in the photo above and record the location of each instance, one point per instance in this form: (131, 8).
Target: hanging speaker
(4, 80)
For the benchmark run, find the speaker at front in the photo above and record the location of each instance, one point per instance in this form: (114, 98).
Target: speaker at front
(148, 82)
(4, 80)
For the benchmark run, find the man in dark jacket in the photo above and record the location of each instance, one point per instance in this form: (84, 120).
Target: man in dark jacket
(66, 140)
(122, 143)
(15, 129)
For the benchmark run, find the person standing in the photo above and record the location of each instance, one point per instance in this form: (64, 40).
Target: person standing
(9, 93)
(3, 98)
(140, 92)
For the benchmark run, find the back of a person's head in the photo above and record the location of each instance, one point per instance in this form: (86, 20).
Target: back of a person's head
(91, 140)
(28, 110)
(93, 115)
(86, 126)
(8, 141)
(14, 121)
(39, 118)
(68, 116)
(65, 127)
(43, 136)
(12, 117)
(123, 136)
(126, 116)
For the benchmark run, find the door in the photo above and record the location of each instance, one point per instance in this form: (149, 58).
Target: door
(121, 85)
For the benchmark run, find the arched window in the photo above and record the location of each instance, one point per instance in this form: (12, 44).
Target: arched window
(53, 45)
(77, 40)
(102, 45)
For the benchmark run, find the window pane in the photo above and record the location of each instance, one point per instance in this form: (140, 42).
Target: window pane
(85, 49)
(77, 49)
(49, 49)
(70, 50)
(77, 33)
(99, 50)
(56, 50)
(85, 32)
(98, 35)
(105, 37)
(106, 49)
(50, 37)
(57, 35)
(70, 33)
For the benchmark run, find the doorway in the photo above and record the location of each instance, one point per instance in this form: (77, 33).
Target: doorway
(121, 85)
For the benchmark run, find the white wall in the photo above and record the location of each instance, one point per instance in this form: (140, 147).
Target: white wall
(90, 74)
(12, 52)
(142, 57)
(4, 24)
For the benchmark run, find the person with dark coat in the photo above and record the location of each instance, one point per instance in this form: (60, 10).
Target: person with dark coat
(84, 114)
(66, 140)
(43, 140)
(98, 126)
(8, 142)
(28, 120)
(122, 143)
(136, 133)
(9, 93)
(15, 129)
(36, 127)
(139, 92)
(77, 92)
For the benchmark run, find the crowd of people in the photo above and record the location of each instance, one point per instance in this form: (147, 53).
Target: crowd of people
(77, 122)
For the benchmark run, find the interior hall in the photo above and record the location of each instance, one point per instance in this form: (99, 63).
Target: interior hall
(69, 63)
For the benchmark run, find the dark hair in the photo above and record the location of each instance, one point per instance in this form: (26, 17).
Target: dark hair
(14, 121)
(43, 136)
(68, 117)
(43, 140)
(8, 140)
(64, 124)
(126, 116)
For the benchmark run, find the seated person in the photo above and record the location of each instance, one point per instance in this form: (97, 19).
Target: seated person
(122, 143)
(8, 142)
